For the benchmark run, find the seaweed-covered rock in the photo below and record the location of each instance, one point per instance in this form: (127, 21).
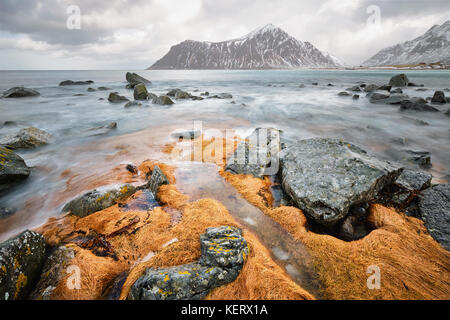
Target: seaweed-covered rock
(399, 80)
(140, 92)
(434, 206)
(55, 268)
(12, 168)
(114, 97)
(325, 177)
(162, 100)
(20, 92)
(223, 254)
(96, 200)
(21, 261)
(258, 155)
(134, 79)
(75, 83)
(26, 138)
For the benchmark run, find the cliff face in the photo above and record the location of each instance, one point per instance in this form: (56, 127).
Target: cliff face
(268, 47)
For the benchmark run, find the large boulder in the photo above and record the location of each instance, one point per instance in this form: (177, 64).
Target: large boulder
(26, 139)
(97, 200)
(20, 92)
(21, 261)
(134, 79)
(140, 92)
(257, 155)
(325, 177)
(439, 97)
(75, 83)
(399, 80)
(12, 168)
(223, 253)
(434, 206)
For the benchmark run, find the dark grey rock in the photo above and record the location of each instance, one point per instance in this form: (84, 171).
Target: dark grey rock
(172, 92)
(355, 97)
(131, 104)
(418, 100)
(12, 168)
(434, 206)
(140, 92)
(91, 90)
(375, 97)
(152, 96)
(163, 100)
(325, 177)
(134, 79)
(343, 94)
(354, 88)
(371, 88)
(399, 80)
(206, 93)
(156, 180)
(392, 99)
(182, 95)
(439, 97)
(397, 90)
(258, 155)
(20, 92)
(385, 88)
(21, 261)
(408, 105)
(75, 83)
(223, 254)
(412, 84)
(354, 226)
(6, 212)
(114, 97)
(26, 139)
(103, 88)
(96, 200)
(420, 158)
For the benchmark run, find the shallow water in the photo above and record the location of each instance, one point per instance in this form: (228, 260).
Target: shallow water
(300, 112)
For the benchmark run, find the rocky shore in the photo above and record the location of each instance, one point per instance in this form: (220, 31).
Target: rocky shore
(142, 238)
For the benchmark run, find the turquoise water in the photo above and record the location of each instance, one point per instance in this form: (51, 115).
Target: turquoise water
(299, 112)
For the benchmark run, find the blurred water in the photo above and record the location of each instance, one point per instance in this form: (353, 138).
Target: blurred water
(300, 112)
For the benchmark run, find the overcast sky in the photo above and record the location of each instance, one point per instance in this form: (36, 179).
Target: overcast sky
(132, 34)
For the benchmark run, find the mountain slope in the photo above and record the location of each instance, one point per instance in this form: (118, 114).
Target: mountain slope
(268, 47)
(433, 46)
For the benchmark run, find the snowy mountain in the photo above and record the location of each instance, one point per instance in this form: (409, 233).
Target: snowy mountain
(268, 47)
(433, 46)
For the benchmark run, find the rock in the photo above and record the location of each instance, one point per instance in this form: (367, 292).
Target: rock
(371, 88)
(75, 83)
(54, 270)
(223, 254)
(374, 97)
(325, 177)
(439, 97)
(152, 96)
(91, 90)
(12, 168)
(330, 85)
(392, 99)
(418, 100)
(422, 89)
(132, 168)
(447, 113)
(343, 94)
(114, 97)
(301, 86)
(412, 84)
(140, 92)
(79, 95)
(6, 212)
(315, 83)
(400, 80)
(182, 95)
(397, 90)
(21, 261)
(354, 226)
(420, 158)
(26, 139)
(196, 98)
(434, 206)
(163, 100)
(354, 88)
(157, 179)
(186, 134)
(355, 97)
(9, 123)
(20, 92)
(102, 130)
(134, 79)
(172, 92)
(206, 93)
(385, 88)
(96, 200)
(258, 155)
(222, 96)
(132, 104)
(408, 105)
(103, 88)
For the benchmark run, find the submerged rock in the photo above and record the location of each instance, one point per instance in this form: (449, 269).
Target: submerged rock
(90, 89)
(434, 206)
(182, 95)
(103, 88)
(400, 80)
(132, 104)
(21, 261)
(98, 131)
(140, 92)
(439, 97)
(392, 99)
(6, 212)
(420, 158)
(375, 97)
(343, 94)
(114, 97)
(354, 88)
(20, 92)
(258, 155)
(95, 200)
(163, 100)
(12, 168)
(325, 177)
(223, 254)
(134, 79)
(75, 83)
(408, 105)
(26, 139)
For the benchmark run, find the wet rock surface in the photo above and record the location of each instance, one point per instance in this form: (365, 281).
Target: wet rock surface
(20, 92)
(75, 83)
(26, 138)
(162, 100)
(96, 200)
(325, 177)
(114, 97)
(223, 254)
(434, 206)
(140, 92)
(21, 261)
(135, 79)
(258, 155)
(400, 80)
(12, 168)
